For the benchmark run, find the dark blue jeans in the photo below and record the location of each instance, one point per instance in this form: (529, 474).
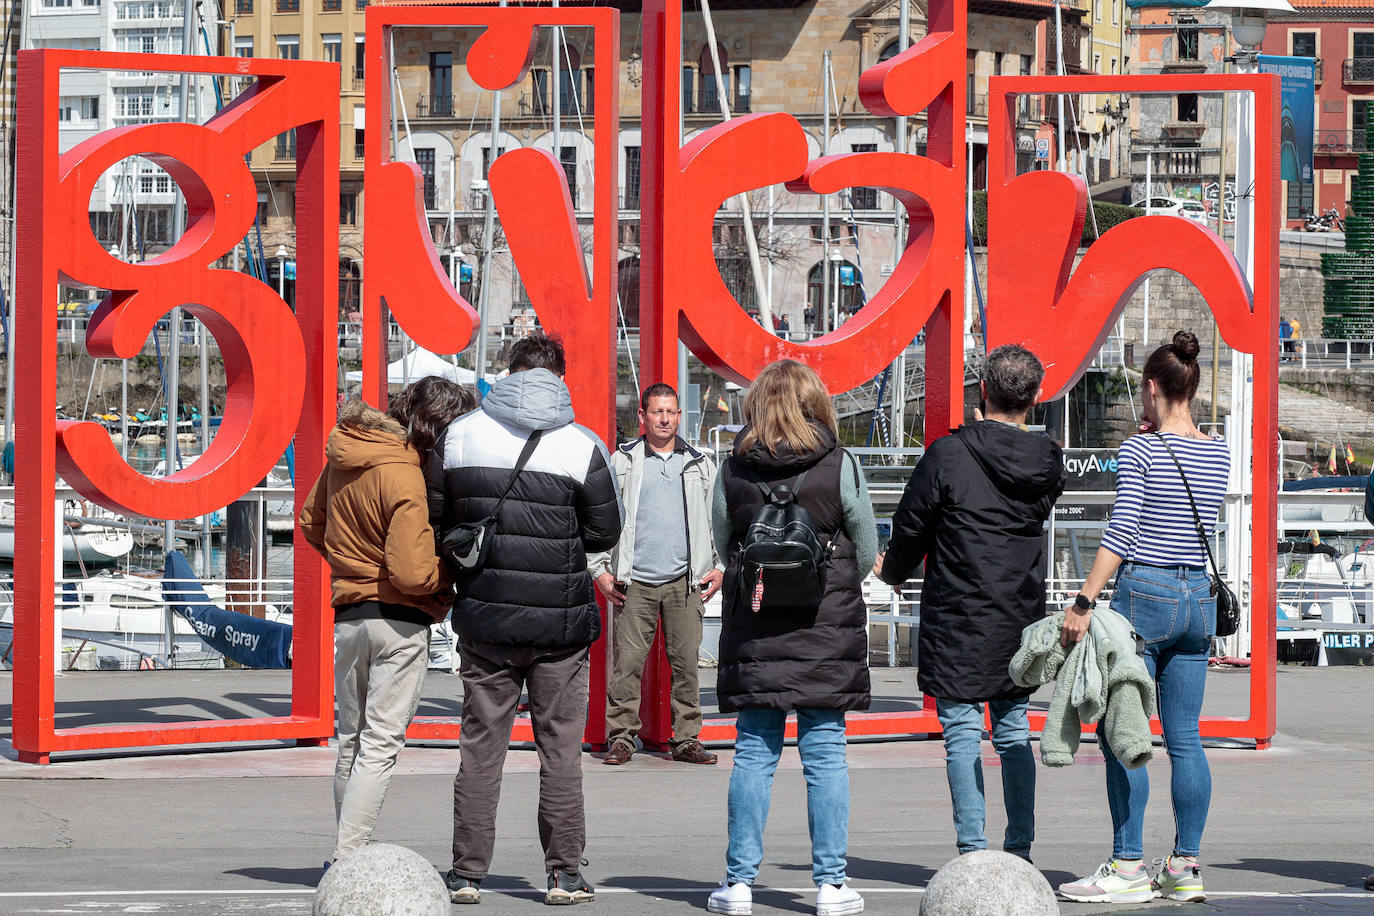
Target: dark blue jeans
(1171, 608)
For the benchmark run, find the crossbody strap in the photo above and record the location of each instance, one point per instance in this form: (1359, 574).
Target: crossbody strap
(1197, 519)
(520, 463)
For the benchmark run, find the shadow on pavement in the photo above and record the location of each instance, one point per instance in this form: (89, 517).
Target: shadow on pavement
(304, 877)
(1341, 874)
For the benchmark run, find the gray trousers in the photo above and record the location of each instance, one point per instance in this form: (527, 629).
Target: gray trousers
(678, 604)
(492, 680)
(379, 670)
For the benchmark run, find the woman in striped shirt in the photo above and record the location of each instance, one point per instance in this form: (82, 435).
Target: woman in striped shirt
(1163, 588)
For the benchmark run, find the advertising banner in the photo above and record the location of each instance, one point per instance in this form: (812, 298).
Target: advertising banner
(1299, 78)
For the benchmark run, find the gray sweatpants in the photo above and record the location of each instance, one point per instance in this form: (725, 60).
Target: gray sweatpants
(379, 670)
(492, 680)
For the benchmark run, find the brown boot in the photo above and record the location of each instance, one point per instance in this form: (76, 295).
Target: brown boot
(619, 754)
(693, 752)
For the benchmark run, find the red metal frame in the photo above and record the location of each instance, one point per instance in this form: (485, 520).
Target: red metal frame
(280, 368)
(531, 194)
(1034, 221)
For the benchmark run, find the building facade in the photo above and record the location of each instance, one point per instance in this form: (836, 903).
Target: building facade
(1340, 36)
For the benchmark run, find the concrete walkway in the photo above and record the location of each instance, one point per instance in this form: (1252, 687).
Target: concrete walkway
(245, 830)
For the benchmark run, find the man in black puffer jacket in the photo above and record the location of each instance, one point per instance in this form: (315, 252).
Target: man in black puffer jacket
(974, 511)
(528, 617)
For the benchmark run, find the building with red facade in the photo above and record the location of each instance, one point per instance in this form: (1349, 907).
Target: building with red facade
(1340, 35)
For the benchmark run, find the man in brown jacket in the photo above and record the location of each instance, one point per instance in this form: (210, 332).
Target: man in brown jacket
(367, 514)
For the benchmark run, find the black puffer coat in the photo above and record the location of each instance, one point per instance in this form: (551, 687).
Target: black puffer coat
(781, 660)
(534, 590)
(975, 510)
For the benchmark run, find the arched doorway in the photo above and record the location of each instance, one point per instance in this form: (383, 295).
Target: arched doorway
(846, 292)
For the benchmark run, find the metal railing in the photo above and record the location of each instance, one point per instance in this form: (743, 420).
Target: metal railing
(978, 105)
(434, 106)
(288, 6)
(331, 6)
(1178, 162)
(1358, 70)
(1352, 141)
(1350, 354)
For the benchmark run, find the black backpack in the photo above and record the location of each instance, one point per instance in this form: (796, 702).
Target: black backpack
(781, 559)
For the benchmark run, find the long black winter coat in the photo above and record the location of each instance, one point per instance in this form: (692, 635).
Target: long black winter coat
(975, 510)
(534, 590)
(789, 660)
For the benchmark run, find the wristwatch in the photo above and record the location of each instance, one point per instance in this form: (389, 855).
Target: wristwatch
(1083, 602)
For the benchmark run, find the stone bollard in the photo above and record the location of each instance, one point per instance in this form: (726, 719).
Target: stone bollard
(988, 883)
(382, 879)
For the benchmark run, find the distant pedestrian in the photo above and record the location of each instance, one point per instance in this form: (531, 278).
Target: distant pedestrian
(1285, 336)
(809, 319)
(367, 514)
(664, 569)
(777, 659)
(1163, 587)
(784, 328)
(527, 615)
(974, 511)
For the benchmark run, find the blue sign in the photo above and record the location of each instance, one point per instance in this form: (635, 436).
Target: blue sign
(250, 641)
(290, 270)
(1298, 77)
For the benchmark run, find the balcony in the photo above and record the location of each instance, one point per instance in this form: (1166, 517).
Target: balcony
(434, 106)
(1184, 162)
(331, 6)
(1358, 71)
(1332, 142)
(288, 6)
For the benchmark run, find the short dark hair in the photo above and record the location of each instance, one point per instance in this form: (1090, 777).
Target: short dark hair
(656, 390)
(538, 351)
(1012, 375)
(426, 408)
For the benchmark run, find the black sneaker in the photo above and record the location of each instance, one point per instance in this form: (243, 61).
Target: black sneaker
(567, 888)
(462, 889)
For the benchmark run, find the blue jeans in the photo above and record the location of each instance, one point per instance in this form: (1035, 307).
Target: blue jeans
(758, 745)
(963, 728)
(1171, 608)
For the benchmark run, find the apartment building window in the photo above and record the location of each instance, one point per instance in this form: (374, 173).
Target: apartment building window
(743, 79)
(360, 4)
(1186, 36)
(589, 84)
(1299, 199)
(359, 58)
(79, 108)
(631, 178)
(243, 45)
(147, 9)
(139, 105)
(424, 158)
(286, 145)
(570, 81)
(288, 6)
(348, 208)
(688, 84)
(1304, 44)
(1097, 10)
(1363, 44)
(333, 47)
(706, 66)
(567, 156)
(1187, 107)
(358, 143)
(487, 159)
(441, 84)
(243, 7)
(892, 49)
(1359, 118)
(148, 41)
(289, 47)
(864, 198)
(331, 6)
(997, 63)
(1115, 12)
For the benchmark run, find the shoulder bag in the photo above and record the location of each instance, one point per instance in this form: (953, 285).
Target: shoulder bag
(466, 545)
(1228, 607)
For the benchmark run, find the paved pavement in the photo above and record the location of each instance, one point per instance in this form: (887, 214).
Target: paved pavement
(243, 831)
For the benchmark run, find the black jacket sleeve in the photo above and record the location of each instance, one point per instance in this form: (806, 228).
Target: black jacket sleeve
(914, 523)
(434, 485)
(598, 505)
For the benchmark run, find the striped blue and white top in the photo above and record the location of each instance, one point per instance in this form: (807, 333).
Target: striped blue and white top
(1152, 521)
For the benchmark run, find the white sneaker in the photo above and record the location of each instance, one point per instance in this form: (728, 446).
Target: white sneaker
(1110, 885)
(731, 899)
(838, 900)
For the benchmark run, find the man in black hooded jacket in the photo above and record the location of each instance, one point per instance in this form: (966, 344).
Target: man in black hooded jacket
(974, 511)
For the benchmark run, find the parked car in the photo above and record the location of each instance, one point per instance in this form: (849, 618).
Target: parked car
(1195, 211)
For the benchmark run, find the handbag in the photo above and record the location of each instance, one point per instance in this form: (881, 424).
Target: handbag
(1228, 606)
(467, 544)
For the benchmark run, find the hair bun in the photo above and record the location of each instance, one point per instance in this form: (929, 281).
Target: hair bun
(1185, 346)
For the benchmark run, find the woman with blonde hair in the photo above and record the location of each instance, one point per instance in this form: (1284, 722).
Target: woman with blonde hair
(786, 647)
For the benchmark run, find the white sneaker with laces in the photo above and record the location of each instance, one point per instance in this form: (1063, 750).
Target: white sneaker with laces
(731, 899)
(1110, 885)
(838, 900)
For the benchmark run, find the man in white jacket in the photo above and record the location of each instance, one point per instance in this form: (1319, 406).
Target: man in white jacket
(664, 568)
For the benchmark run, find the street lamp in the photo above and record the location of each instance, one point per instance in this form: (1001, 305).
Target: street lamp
(835, 260)
(281, 271)
(1248, 19)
